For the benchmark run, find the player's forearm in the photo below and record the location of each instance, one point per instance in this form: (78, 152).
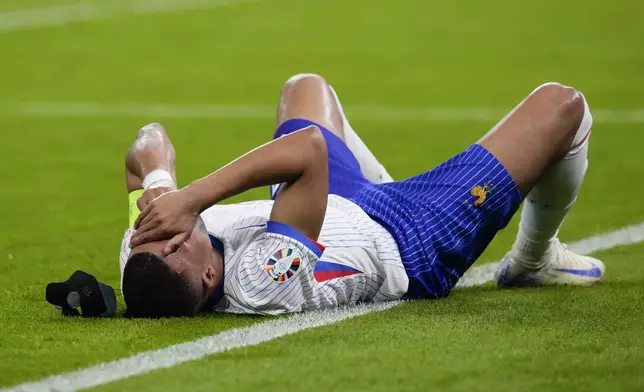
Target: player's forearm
(285, 160)
(151, 150)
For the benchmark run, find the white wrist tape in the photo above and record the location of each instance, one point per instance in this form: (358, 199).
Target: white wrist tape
(158, 178)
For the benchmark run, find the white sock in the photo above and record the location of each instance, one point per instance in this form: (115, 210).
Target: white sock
(553, 196)
(371, 168)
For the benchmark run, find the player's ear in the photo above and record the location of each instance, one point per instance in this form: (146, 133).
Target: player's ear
(209, 277)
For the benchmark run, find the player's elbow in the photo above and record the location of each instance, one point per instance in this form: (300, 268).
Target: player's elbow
(316, 145)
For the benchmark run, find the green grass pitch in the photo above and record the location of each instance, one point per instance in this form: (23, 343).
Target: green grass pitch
(63, 200)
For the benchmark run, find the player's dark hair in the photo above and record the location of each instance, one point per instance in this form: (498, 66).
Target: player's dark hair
(152, 289)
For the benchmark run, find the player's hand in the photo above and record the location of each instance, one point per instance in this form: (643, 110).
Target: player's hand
(150, 195)
(171, 216)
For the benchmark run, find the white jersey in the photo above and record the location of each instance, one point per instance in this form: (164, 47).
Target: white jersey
(271, 268)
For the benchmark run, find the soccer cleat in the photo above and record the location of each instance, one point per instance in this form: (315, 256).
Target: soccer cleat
(560, 266)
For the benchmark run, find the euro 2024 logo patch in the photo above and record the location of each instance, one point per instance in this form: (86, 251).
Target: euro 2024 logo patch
(283, 264)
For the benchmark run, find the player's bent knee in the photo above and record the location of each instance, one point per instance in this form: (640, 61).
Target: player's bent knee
(568, 107)
(308, 96)
(573, 107)
(565, 100)
(555, 92)
(303, 81)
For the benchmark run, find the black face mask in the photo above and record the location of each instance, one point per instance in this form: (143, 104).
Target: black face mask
(95, 299)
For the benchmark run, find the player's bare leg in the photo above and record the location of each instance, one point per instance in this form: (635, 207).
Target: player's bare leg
(309, 96)
(543, 143)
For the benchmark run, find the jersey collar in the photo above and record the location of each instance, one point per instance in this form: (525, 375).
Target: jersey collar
(217, 244)
(218, 294)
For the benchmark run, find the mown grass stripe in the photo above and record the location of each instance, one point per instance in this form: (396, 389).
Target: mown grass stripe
(87, 11)
(216, 111)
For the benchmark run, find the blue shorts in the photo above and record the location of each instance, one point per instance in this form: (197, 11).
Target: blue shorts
(442, 220)
(345, 176)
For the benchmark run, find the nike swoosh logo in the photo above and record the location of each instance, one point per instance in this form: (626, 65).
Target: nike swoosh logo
(594, 272)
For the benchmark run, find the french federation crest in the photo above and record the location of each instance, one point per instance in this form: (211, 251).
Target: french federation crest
(283, 264)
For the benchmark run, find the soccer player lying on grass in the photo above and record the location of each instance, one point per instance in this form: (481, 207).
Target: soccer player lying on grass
(339, 230)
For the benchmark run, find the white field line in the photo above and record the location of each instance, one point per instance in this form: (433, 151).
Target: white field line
(215, 111)
(189, 351)
(62, 14)
(274, 328)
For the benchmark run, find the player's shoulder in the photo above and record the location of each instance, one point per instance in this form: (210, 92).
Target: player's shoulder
(238, 225)
(234, 216)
